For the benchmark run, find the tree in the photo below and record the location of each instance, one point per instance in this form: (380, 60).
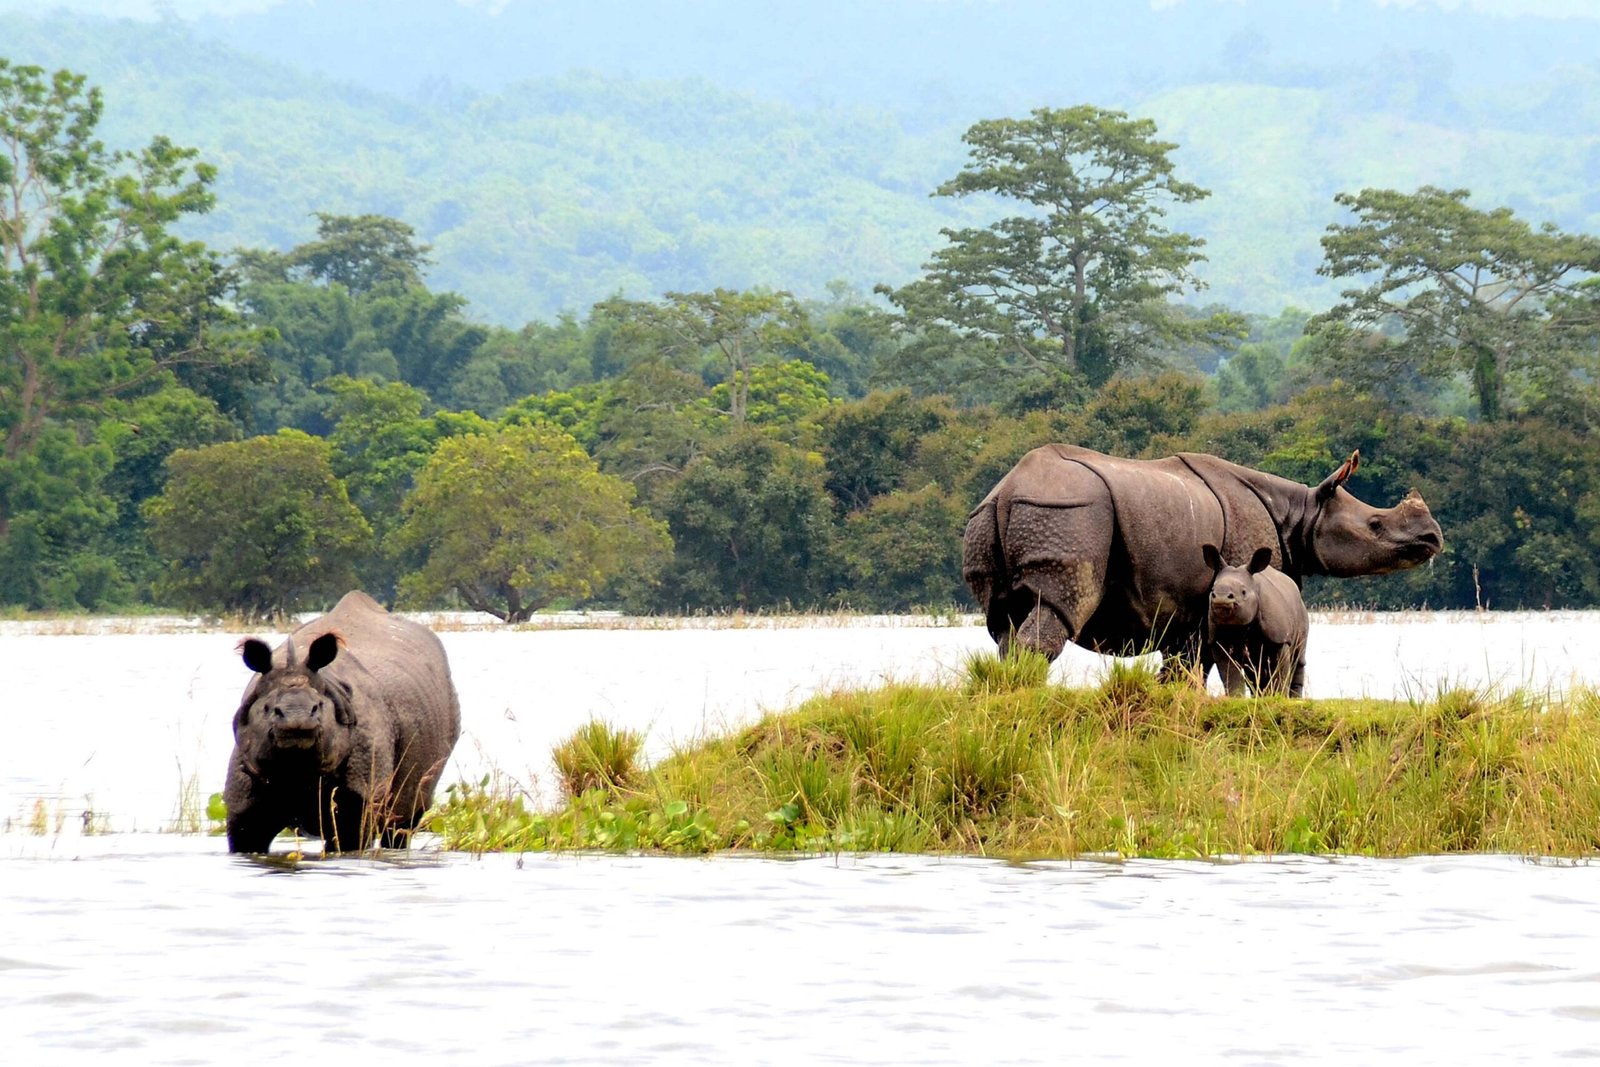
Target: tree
(869, 443)
(1078, 284)
(352, 302)
(358, 252)
(518, 518)
(753, 528)
(381, 439)
(260, 526)
(1459, 292)
(730, 331)
(1130, 415)
(99, 302)
(904, 552)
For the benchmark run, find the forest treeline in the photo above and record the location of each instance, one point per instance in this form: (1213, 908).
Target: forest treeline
(257, 430)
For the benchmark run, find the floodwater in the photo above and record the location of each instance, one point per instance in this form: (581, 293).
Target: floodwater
(146, 947)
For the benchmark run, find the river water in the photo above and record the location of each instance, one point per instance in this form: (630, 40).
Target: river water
(147, 947)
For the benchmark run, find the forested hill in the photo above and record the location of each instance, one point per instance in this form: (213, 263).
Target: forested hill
(727, 153)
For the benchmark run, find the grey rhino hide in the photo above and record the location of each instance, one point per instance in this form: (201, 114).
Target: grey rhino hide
(1266, 649)
(1073, 545)
(397, 723)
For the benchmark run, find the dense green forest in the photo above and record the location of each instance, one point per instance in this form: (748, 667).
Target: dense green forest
(257, 429)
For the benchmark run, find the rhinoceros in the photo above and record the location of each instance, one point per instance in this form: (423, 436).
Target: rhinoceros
(1257, 626)
(1074, 545)
(345, 740)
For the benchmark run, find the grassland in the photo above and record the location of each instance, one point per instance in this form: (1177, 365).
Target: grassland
(1005, 764)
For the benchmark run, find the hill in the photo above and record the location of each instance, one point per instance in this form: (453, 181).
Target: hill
(797, 153)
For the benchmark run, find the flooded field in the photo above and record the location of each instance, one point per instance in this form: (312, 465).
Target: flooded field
(138, 946)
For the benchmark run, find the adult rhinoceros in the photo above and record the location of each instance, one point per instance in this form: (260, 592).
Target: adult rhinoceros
(1073, 545)
(342, 732)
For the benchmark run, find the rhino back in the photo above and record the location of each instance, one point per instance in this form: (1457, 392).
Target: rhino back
(403, 694)
(1164, 513)
(1282, 616)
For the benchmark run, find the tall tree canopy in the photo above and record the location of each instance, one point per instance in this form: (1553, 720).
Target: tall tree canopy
(99, 302)
(1459, 292)
(1077, 285)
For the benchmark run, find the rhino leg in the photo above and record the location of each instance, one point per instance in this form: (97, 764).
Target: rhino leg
(1059, 556)
(1041, 631)
(252, 829)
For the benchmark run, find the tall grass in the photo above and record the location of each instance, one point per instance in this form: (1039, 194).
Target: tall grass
(1006, 764)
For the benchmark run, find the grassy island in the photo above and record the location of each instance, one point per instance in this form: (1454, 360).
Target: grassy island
(1005, 764)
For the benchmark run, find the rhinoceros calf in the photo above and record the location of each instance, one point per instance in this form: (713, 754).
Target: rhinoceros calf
(1256, 632)
(1073, 545)
(346, 739)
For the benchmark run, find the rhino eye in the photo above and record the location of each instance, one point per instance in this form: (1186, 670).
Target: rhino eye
(1375, 524)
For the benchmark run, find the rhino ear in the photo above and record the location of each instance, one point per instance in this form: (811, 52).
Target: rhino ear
(257, 656)
(323, 651)
(1212, 556)
(1338, 477)
(1261, 560)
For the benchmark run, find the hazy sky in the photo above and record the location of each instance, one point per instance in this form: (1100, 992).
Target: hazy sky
(1586, 9)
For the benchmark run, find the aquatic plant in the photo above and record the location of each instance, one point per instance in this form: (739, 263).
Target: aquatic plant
(597, 756)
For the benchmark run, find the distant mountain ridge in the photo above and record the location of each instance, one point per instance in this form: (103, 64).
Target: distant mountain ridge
(548, 193)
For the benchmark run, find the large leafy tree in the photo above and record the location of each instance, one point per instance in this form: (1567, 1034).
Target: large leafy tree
(352, 302)
(1077, 285)
(1458, 293)
(723, 333)
(753, 527)
(100, 305)
(516, 519)
(261, 526)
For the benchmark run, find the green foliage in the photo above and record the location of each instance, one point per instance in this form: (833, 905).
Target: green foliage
(261, 527)
(724, 334)
(100, 307)
(598, 756)
(517, 518)
(784, 398)
(1141, 416)
(753, 528)
(380, 440)
(1077, 285)
(869, 444)
(1475, 294)
(1010, 765)
(903, 551)
(351, 303)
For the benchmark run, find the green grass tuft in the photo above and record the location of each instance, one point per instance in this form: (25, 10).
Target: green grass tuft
(598, 756)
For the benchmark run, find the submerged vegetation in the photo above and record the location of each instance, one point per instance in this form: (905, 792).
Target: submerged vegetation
(1009, 765)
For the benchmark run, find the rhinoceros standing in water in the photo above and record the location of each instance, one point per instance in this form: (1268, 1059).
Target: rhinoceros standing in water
(1073, 545)
(343, 731)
